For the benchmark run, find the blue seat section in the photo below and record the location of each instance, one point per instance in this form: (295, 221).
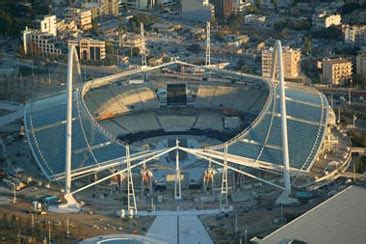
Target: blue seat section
(50, 137)
(301, 141)
(271, 155)
(47, 112)
(243, 149)
(302, 137)
(304, 96)
(259, 132)
(303, 111)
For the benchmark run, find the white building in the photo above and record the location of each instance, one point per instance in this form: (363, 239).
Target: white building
(325, 20)
(48, 25)
(254, 19)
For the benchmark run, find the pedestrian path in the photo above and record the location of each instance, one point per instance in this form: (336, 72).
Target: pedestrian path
(176, 229)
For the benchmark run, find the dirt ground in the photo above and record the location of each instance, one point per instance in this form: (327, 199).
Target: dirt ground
(16, 224)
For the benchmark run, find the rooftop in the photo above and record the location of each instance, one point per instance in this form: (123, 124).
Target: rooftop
(340, 219)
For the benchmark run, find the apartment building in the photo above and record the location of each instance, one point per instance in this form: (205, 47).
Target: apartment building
(224, 8)
(355, 34)
(85, 20)
(291, 61)
(36, 43)
(337, 71)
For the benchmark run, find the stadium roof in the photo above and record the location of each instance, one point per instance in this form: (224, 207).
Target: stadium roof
(93, 146)
(340, 219)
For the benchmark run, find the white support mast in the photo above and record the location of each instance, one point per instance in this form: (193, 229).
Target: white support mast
(143, 48)
(69, 122)
(224, 183)
(208, 44)
(177, 185)
(131, 199)
(71, 204)
(286, 158)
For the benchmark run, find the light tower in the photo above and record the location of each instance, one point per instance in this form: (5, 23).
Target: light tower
(143, 48)
(208, 44)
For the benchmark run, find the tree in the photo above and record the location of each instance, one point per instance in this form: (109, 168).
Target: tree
(194, 48)
(358, 80)
(306, 49)
(135, 51)
(219, 36)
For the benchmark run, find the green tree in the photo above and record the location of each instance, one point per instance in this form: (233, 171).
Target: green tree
(219, 36)
(306, 49)
(135, 51)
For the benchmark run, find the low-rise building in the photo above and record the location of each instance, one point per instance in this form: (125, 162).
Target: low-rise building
(131, 40)
(89, 49)
(325, 20)
(236, 40)
(85, 19)
(355, 34)
(337, 71)
(66, 25)
(165, 28)
(254, 19)
(291, 62)
(40, 44)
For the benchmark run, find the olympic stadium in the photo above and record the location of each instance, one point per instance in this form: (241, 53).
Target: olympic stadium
(180, 119)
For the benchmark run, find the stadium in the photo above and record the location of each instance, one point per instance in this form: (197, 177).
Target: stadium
(182, 126)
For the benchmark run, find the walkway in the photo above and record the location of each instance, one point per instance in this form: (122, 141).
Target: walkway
(175, 229)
